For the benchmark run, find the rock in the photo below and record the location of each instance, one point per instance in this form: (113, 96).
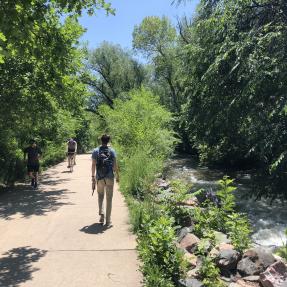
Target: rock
(189, 242)
(216, 250)
(242, 283)
(275, 275)
(195, 272)
(190, 283)
(254, 278)
(254, 261)
(183, 232)
(227, 260)
(221, 238)
(191, 260)
(162, 184)
(190, 202)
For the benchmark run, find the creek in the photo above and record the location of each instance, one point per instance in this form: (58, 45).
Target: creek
(268, 221)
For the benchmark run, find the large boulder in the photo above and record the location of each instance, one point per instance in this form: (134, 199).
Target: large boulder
(227, 260)
(190, 283)
(217, 249)
(255, 261)
(189, 242)
(183, 232)
(275, 275)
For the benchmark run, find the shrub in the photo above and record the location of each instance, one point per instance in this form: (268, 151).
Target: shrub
(210, 273)
(173, 202)
(158, 251)
(223, 218)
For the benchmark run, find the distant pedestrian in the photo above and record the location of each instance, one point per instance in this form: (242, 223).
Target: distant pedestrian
(105, 165)
(34, 153)
(71, 151)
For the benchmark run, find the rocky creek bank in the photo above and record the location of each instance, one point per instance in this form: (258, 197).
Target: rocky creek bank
(253, 267)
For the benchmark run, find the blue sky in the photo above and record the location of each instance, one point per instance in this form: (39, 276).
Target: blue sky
(118, 29)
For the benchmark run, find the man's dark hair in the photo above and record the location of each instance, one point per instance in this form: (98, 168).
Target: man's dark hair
(32, 141)
(105, 139)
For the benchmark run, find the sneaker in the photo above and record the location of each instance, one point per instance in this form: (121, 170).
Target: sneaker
(102, 218)
(35, 184)
(32, 182)
(109, 224)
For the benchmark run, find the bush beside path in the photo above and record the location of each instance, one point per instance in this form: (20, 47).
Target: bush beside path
(50, 236)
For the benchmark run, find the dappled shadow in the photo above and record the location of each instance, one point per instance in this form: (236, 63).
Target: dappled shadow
(95, 228)
(16, 265)
(26, 201)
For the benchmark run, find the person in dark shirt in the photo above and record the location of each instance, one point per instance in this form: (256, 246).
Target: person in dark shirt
(33, 165)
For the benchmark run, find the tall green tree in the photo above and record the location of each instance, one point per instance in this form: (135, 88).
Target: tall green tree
(156, 38)
(111, 71)
(234, 65)
(40, 90)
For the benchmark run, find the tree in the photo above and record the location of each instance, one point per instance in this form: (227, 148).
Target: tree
(111, 72)
(40, 91)
(234, 67)
(156, 38)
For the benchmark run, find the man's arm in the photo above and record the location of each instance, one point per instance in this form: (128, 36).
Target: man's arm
(116, 170)
(94, 162)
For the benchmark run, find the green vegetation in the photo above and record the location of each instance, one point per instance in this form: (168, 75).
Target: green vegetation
(210, 273)
(142, 136)
(223, 73)
(41, 94)
(144, 139)
(282, 251)
(214, 86)
(222, 217)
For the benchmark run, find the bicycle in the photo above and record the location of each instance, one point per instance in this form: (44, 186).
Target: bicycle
(71, 161)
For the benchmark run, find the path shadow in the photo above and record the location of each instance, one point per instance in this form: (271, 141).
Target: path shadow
(24, 200)
(95, 228)
(16, 265)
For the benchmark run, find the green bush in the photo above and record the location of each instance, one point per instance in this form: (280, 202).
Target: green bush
(141, 131)
(173, 203)
(139, 171)
(223, 218)
(210, 273)
(158, 251)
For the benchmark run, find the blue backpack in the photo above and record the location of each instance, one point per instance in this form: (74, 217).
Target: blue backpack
(104, 162)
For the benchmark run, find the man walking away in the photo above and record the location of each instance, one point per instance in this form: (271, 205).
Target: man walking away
(33, 165)
(71, 151)
(104, 162)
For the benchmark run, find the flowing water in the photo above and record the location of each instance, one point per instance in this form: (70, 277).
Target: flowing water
(268, 221)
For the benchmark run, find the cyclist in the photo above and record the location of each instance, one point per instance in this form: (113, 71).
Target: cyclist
(33, 165)
(71, 151)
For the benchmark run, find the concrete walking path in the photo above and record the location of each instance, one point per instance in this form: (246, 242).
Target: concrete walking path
(51, 237)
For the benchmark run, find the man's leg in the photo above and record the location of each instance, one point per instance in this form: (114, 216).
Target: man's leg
(109, 194)
(31, 176)
(101, 196)
(36, 179)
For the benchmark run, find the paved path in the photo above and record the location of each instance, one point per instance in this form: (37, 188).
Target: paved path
(50, 237)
